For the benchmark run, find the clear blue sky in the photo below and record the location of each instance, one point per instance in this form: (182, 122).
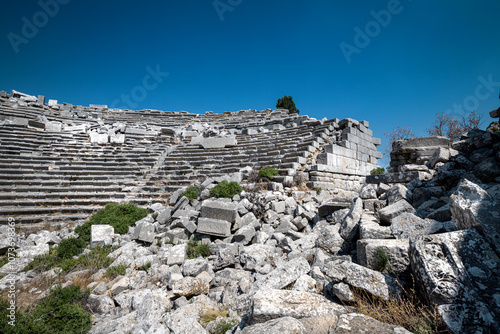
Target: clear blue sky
(228, 55)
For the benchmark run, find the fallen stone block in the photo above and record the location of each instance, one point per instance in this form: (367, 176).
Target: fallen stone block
(144, 232)
(189, 287)
(360, 323)
(227, 254)
(458, 272)
(330, 206)
(215, 227)
(398, 192)
(272, 304)
(368, 192)
(385, 255)
(473, 207)
(369, 228)
(349, 226)
(408, 225)
(390, 212)
(177, 255)
(359, 277)
(214, 142)
(329, 239)
(285, 274)
(285, 325)
(101, 235)
(219, 210)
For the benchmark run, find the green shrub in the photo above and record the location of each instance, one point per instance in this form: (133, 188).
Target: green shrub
(287, 103)
(224, 325)
(63, 311)
(196, 249)
(96, 259)
(70, 247)
(378, 171)
(226, 189)
(192, 193)
(145, 267)
(383, 260)
(268, 172)
(120, 216)
(115, 271)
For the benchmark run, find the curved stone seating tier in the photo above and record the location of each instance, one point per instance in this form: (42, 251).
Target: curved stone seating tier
(52, 169)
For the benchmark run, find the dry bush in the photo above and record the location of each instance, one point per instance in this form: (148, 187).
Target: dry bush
(209, 315)
(407, 311)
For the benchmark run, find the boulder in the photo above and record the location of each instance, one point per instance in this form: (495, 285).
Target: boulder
(372, 253)
(285, 325)
(215, 227)
(219, 210)
(409, 225)
(330, 206)
(190, 286)
(285, 274)
(359, 277)
(369, 228)
(254, 255)
(355, 323)
(458, 273)
(177, 255)
(473, 207)
(272, 304)
(368, 192)
(144, 232)
(329, 239)
(349, 226)
(396, 193)
(101, 235)
(226, 254)
(390, 212)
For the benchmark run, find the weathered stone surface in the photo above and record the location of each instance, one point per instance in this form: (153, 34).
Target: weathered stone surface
(180, 323)
(219, 210)
(396, 193)
(215, 227)
(144, 232)
(214, 142)
(343, 292)
(244, 235)
(401, 177)
(349, 226)
(271, 304)
(458, 271)
(359, 277)
(190, 286)
(330, 206)
(329, 239)
(284, 325)
(194, 267)
(409, 225)
(254, 255)
(355, 323)
(368, 192)
(369, 228)
(371, 253)
(390, 212)
(227, 254)
(474, 207)
(101, 235)
(286, 273)
(177, 255)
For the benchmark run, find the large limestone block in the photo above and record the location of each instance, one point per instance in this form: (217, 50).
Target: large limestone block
(359, 277)
(330, 206)
(255, 255)
(286, 273)
(459, 273)
(371, 255)
(408, 225)
(271, 304)
(349, 226)
(355, 323)
(473, 207)
(215, 142)
(101, 235)
(329, 239)
(398, 192)
(409, 145)
(369, 228)
(215, 227)
(285, 325)
(219, 210)
(144, 232)
(390, 212)
(177, 255)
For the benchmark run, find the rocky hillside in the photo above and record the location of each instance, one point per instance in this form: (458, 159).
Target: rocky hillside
(277, 258)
